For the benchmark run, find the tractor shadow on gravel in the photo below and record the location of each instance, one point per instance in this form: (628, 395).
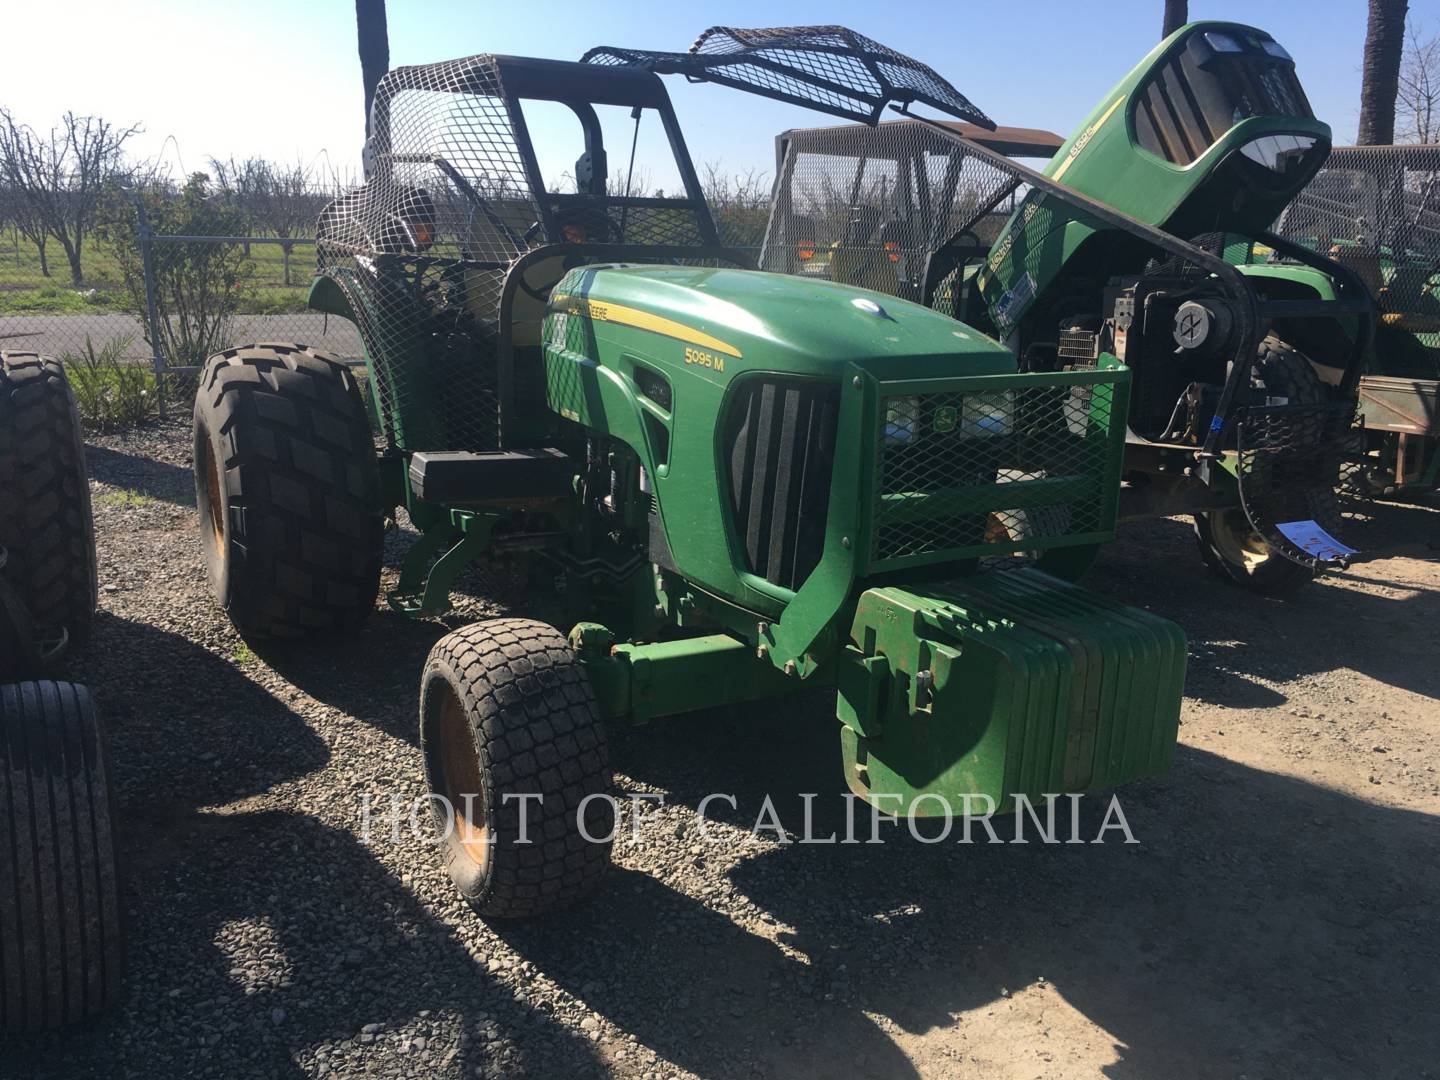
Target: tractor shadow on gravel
(1240, 642)
(255, 935)
(1262, 926)
(141, 475)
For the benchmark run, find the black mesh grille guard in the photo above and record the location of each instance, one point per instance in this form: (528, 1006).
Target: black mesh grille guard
(828, 68)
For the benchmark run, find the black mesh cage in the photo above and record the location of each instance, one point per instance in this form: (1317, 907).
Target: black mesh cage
(867, 206)
(948, 460)
(829, 68)
(421, 249)
(1376, 211)
(454, 206)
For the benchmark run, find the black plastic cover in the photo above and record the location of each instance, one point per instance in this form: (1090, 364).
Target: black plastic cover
(466, 479)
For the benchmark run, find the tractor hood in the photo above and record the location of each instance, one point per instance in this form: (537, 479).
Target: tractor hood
(718, 323)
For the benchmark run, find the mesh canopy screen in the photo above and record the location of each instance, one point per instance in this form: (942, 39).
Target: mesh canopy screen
(453, 205)
(829, 68)
(867, 205)
(1376, 210)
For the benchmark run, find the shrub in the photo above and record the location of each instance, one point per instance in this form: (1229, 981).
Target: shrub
(109, 393)
(197, 285)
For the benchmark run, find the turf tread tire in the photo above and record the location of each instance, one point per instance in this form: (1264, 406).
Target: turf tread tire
(537, 728)
(61, 936)
(46, 524)
(299, 487)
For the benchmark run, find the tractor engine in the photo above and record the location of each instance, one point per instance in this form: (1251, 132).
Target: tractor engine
(1178, 340)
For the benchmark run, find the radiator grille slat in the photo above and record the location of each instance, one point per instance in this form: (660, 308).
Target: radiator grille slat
(780, 437)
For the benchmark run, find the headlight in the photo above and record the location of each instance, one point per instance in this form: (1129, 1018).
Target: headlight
(902, 421)
(986, 415)
(1221, 42)
(967, 416)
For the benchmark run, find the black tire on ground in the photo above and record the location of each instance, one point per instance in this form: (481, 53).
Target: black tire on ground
(288, 491)
(1227, 541)
(61, 936)
(506, 710)
(45, 521)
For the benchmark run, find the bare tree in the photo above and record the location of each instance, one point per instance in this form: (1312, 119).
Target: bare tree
(288, 205)
(1177, 14)
(1380, 71)
(242, 181)
(374, 37)
(61, 177)
(18, 213)
(1417, 106)
(739, 203)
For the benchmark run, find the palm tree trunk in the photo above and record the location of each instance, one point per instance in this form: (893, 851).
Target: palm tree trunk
(1177, 14)
(374, 48)
(1380, 71)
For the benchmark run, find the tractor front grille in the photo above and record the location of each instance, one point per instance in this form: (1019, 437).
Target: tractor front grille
(780, 440)
(1033, 463)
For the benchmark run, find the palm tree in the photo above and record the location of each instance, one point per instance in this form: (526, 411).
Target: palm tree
(1177, 14)
(374, 48)
(1380, 71)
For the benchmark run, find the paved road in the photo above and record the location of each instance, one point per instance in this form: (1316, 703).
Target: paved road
(59, 334)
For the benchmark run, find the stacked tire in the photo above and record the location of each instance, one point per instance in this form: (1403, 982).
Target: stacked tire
(61, 939)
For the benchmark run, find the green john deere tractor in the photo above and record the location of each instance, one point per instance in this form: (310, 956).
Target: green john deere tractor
(746, 483)
(1243, 377)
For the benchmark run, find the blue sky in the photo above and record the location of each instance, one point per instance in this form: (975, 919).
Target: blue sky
(282, 78)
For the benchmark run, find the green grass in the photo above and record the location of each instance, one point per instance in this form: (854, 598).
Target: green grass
(57, 300)
(243, 656)
(124, 499)
(25, 291)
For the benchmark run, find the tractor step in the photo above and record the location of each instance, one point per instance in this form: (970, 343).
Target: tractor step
(462, 478)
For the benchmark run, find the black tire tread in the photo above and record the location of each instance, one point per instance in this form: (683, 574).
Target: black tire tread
(46, 525)
(61, 938)
(305, 521)
(535, 718)
(1279, 371)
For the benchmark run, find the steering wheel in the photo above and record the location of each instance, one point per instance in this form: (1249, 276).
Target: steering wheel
(589, 224)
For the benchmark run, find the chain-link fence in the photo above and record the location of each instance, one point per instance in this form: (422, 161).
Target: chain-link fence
(154, 305)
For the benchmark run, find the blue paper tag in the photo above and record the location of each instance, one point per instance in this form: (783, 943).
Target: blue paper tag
(1310, 538)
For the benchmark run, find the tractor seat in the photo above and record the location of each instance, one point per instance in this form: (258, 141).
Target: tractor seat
(1365, 264)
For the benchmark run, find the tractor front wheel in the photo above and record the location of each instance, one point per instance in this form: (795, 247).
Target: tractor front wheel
(288, 491)
(1228, 543)
(517, 765)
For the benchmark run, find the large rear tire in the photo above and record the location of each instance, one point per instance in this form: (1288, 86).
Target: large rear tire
(507, 714)
(1229, 544)
(46, 526)
(288, 491)
(61, 938)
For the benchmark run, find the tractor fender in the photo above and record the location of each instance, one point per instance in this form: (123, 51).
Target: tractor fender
(337, 291)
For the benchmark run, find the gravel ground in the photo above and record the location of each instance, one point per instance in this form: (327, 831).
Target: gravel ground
(1276, 918)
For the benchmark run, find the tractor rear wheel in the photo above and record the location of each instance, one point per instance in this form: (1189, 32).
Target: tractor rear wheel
(517, 766)
(1228, 543)
(288, 491)
(61, 940)
(46, 529)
